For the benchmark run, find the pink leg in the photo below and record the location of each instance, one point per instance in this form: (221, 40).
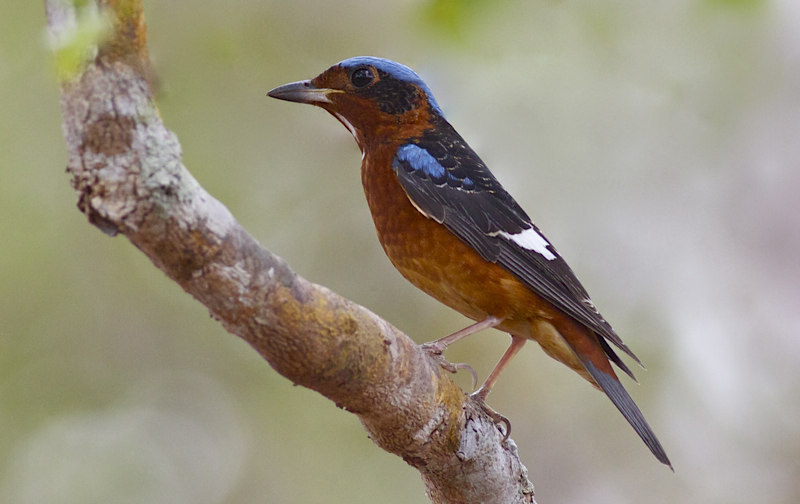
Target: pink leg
(435, 348)
(480, 394)
(516, 346)
(441, 344)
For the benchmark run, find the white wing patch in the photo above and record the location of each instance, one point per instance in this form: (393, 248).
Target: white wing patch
(531, 240)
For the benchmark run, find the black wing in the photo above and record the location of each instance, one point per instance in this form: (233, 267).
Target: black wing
(449, 183)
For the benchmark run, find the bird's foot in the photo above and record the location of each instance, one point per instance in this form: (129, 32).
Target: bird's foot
(480, 397)
(434, 348)
(435, 351)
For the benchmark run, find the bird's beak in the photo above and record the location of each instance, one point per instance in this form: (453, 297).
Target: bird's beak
(303, 92)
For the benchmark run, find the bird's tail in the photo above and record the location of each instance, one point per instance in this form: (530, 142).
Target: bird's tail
(589, 351)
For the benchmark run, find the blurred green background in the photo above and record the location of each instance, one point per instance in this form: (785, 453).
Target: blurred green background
(656, 143)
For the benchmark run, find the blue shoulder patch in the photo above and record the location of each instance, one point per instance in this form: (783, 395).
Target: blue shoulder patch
(418, 160)
(414, 158)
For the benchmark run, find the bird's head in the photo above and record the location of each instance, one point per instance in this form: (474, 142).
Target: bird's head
(378, 100)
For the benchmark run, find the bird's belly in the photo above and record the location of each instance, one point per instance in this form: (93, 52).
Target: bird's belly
(453, 273)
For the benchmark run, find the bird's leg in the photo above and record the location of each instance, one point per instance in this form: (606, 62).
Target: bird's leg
(480, 394)
(435, 348)
(516, 346)
(441, 344)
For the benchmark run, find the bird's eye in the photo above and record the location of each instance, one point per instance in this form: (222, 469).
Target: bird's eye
(361, 77)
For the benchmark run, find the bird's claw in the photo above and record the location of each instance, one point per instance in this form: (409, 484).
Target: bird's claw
(435, 351)
(497, 418)
(464, 365)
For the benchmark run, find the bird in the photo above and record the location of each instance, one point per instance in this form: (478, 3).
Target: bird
(450, 228)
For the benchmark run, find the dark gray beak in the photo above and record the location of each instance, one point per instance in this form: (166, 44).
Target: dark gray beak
(302, 92)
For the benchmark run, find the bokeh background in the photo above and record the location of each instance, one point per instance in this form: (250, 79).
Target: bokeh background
(656, 143)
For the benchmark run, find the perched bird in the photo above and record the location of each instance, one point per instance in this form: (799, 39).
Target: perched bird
(452, 230)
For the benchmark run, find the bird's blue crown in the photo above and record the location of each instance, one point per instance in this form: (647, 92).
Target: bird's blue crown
(395, 70)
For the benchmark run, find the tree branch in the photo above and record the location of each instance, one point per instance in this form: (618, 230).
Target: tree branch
(127, 171)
